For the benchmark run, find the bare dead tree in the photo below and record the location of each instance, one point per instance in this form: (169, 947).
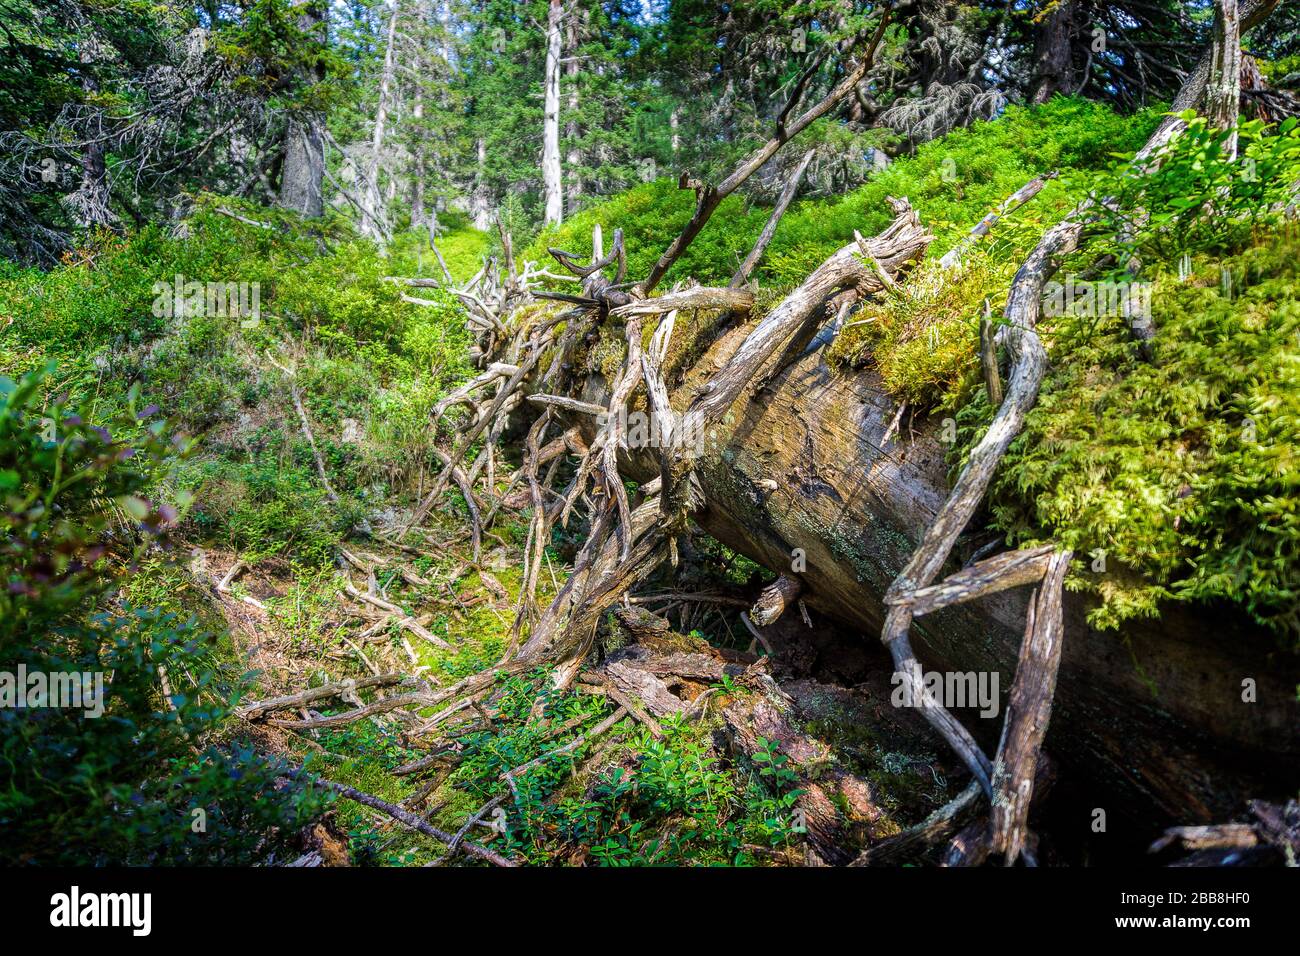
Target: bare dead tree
(551, 173)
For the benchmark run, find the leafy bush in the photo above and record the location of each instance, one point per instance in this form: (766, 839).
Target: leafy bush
(1199, 199)
(657, 801)
(369, 366)
(131, 776)
(263, 509)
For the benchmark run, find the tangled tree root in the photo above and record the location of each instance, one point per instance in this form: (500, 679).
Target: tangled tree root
(630, 537)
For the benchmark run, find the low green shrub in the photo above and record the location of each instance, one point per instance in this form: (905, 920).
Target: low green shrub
(657, 801)
(132, 774)
(952, 182)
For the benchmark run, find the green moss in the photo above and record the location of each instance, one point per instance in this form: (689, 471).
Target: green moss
(606, 356)
(923, 338)
(1182, 470)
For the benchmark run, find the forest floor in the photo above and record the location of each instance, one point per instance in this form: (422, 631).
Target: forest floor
(293, 630)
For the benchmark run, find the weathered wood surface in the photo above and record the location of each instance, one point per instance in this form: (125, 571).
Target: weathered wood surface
(1152, 714)
(774, 599)
(838, 808)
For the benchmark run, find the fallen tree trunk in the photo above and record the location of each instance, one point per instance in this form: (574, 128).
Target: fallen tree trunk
(799, 475)
(1152, 713)
(792, 471)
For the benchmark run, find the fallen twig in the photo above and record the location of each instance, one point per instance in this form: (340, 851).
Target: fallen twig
(416, 823)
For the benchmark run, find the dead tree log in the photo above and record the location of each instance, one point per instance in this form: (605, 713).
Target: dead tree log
(836, 808)
(800, 467)
(342, 688)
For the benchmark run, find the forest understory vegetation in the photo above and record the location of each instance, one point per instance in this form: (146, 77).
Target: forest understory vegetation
(377, 586)
(369, 368)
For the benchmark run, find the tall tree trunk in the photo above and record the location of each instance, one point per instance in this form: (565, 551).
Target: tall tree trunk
(90, 203)
(374, 223)
(417, 117)
(304, 139)
(480, 208)
(417, 174)
(91, 200)
(551, 176)
(1251, 14)
(1053, 55)
(304, 166)
(1223, 95)
(571, 129)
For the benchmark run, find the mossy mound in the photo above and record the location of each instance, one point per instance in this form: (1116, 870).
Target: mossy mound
(1182, 470)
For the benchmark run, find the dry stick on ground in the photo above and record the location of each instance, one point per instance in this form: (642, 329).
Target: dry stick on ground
(369, 664)
(223, 587)
(246, 221)
(418, 699)
(746, 269)
(260, 708)
(619, 713)
(466, 488)
(409, 819)
(399, 617)
(469, 825)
